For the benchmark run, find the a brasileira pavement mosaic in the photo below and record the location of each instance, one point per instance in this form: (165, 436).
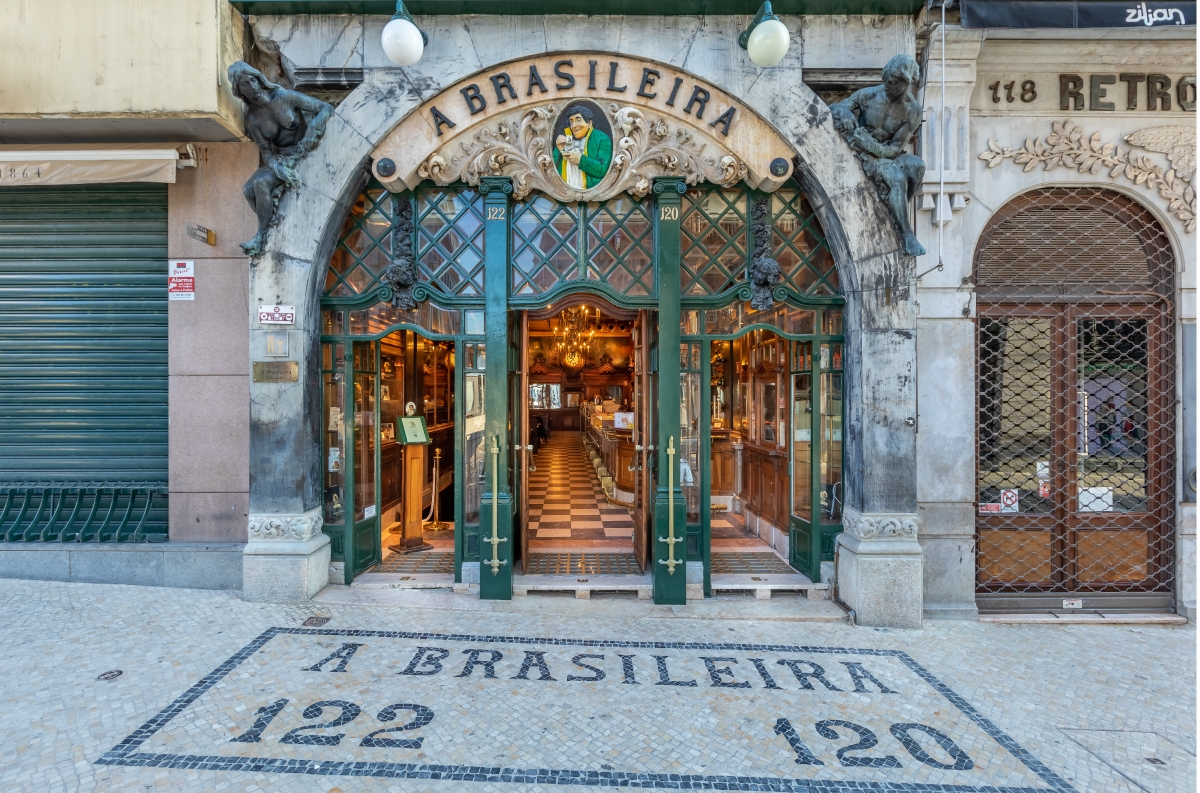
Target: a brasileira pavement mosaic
(436, 706)
(449, 694)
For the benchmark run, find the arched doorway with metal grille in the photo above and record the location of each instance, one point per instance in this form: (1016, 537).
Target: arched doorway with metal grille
(1075, 409)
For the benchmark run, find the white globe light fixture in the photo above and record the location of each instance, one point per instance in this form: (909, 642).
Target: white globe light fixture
(403, 42)
(766, 40)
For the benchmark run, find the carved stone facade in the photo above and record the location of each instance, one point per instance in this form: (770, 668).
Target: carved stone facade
(293, 528)
(879, 527)
(646, 146)
(1068, 146)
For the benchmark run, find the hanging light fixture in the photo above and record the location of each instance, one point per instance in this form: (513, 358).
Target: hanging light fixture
(767, 39)
(403, 42)
(578, 330)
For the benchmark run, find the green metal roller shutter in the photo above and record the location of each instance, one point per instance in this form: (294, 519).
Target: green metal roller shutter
(83, 361)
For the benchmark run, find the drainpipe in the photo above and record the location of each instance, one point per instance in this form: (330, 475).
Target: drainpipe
(837, 547)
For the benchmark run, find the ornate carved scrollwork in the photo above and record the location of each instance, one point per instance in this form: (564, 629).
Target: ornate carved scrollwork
(875, 527)
(763, 272)
(401, 274)
(646, 147)
(297, 528)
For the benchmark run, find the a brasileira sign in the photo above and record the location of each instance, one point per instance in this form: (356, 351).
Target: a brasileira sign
(562, 711)
(583, 126)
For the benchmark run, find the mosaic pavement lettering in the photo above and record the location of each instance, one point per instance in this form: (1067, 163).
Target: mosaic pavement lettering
(436, 706)
(217, 695)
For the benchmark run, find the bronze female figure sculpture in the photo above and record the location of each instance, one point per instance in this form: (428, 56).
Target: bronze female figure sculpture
(878, 123)
(285, 125)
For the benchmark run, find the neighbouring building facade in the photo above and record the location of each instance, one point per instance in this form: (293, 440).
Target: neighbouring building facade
(277, 312)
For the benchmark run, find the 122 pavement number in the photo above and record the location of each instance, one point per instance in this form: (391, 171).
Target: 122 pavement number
(422, 716)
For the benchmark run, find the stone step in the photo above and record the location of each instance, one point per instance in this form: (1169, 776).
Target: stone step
(584, 586)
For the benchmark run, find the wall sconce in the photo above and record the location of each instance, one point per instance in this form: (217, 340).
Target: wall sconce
(403, 42)
(766, 40)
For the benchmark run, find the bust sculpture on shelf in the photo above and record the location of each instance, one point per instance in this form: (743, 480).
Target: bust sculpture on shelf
(285, 125)
(878, 123)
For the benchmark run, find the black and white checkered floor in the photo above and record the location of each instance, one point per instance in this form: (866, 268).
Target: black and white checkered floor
(566, 501)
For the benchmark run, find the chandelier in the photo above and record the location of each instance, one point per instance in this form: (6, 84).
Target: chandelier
(574, 336)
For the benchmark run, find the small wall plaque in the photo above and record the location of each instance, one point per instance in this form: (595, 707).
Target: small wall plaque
(277, 315)
(198, 232)
(276, 371)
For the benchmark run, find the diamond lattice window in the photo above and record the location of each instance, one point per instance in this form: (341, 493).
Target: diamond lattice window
(545, 245)
(365, 248)
(713, 240)
(620, 245)
(799, 246)
(450, 240)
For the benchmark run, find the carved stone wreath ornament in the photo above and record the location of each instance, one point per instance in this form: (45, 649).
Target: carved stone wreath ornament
(1067, 146)
(646, 147)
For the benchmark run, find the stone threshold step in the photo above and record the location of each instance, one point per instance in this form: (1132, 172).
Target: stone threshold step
(584, 586)
(1091, 618)
(403, 581)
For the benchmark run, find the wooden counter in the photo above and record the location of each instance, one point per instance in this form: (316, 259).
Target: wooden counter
(765, 483)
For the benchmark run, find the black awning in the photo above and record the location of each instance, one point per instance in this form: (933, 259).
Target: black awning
(1055, 14)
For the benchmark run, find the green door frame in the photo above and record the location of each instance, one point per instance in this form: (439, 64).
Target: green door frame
(496, 512)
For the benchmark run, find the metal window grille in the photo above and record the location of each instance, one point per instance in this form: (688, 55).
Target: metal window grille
(1075, 399)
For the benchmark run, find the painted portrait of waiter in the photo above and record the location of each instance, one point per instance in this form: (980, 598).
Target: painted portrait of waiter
(582, 153)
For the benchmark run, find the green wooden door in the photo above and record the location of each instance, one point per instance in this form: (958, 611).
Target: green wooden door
(363, 541)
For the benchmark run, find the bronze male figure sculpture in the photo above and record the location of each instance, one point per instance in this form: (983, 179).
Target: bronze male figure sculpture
(878, 123)
(285, 125)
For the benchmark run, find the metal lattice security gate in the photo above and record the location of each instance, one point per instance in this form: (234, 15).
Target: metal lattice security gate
(83, 363)
(1075, 428)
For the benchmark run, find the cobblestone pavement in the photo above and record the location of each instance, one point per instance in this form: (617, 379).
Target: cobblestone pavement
(218, 694)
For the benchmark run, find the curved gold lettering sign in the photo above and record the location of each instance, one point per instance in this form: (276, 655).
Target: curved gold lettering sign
(584, 126)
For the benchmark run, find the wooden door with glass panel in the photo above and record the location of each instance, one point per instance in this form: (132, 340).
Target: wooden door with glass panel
(363, 544)
(642, 432)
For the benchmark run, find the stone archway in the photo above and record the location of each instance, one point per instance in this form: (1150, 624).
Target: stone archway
(285, 445)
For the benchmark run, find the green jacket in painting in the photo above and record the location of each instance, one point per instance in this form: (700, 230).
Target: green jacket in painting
(597, 156)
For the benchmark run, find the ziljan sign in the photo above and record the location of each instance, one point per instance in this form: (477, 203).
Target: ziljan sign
(580, 126)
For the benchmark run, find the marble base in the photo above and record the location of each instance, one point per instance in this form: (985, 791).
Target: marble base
(285, 571)
(881, 579)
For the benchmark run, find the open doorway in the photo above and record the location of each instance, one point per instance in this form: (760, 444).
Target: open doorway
(416, 378)
(583, 403)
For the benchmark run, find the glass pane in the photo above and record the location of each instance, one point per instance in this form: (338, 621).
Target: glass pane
(802, 405)
(473, 451)
(555, 397)
(364, 432)
(335, 446)
(1015, 436)
(721, 383)
(537, 395)
(474, 322)
(831, 448)
(689, 323)
(769, 413)
(1111, 468)
(689, 445)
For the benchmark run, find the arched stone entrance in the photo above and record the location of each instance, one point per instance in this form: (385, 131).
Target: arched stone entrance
(875, 276)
